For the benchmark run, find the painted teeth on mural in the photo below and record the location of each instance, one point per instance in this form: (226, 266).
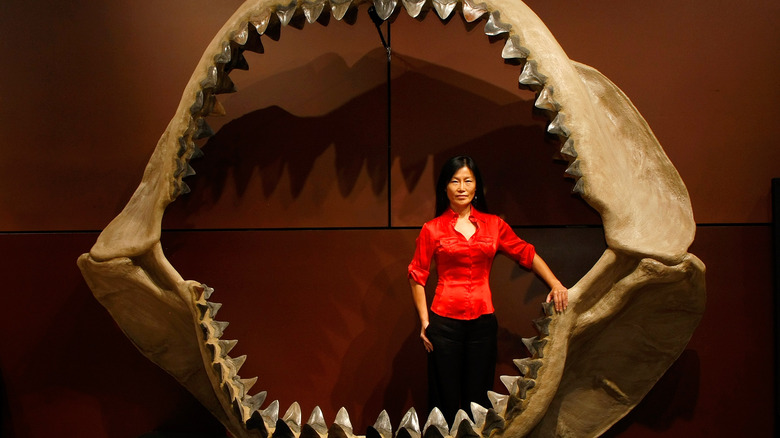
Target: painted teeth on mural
(131, 255)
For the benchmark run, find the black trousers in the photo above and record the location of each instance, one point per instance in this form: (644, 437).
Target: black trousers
(462, 365)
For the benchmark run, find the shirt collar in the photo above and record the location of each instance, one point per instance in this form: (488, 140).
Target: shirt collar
(475, 215)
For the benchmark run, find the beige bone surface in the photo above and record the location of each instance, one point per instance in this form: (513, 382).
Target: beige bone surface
(630, 316)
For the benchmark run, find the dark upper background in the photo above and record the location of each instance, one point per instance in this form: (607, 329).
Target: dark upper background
(86, 89)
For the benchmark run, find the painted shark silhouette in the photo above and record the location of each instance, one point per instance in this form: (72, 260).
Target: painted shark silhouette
(630, 316)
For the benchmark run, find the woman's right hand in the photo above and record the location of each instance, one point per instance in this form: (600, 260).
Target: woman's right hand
(426, 343)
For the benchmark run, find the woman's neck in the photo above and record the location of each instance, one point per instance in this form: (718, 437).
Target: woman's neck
(461, 211)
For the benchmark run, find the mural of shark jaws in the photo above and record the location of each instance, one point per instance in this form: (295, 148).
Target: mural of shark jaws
(629, 318)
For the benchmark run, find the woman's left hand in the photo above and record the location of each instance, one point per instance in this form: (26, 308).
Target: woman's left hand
(560, 296)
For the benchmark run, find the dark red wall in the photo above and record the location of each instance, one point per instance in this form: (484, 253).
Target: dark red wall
(298, 175)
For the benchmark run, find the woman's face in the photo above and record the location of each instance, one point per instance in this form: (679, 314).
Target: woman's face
(461, 188)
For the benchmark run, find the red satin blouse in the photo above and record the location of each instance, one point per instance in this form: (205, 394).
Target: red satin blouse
(464, 265)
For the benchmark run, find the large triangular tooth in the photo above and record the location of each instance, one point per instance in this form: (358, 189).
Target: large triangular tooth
(570, 153)
(444, 8)
(312, 9)
(271, 413)
(257, 423)
(196, 153)
(202, 130)
(543, 325)
(225, 53)
(436, 426)
(218, 328)
(498, 401)
(248, 384)
(238, 362)
(513, 49)
(510, 382)
(215, 108)
(213, 308)
(254, 402)
(558, 126)
(579, 187)
(460, 417)
(478, 412)
(410, 424)
(286, 12)
(342, 419)
(293, 417)
(239, 62)
(283, 430)
(207, 291)
(494, 26)
(241, 35)
(546, 101)
(530, 76)
(413, 7)
(382, 426)
(225, 85)
(261, 21)
(226, 345)
(317, 421)
(339, 8)
(384, 8)
(535, 346)
(493, 421)
(472, 11)
(212, 78)
(522, 386)
(528, 367)
(574, 169)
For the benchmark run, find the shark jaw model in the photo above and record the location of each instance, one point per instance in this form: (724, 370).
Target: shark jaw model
(629, 317)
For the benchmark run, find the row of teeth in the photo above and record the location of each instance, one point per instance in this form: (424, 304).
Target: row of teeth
(235, 392)
(247, 37)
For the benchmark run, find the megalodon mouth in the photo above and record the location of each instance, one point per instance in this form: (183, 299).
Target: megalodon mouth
(630, 316)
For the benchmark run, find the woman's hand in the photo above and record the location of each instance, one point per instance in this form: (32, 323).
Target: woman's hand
(560, 296)
(426, 343)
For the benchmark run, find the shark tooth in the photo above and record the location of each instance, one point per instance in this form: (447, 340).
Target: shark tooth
(226, 346)
(260, 22)
(207, 291)
(342, 419)
(493, 420)
(543, 325)
(196, 152)
(211, 79)
(238, 362)
(312, 9)
(271, 413)
(546, 101)
(218, 328)
(510, 382)
(460, 417)
(286, 12)
(239, 62)
(198, 104)
(513, 49)
(498, 401)
(444, 7)
(494, 26)
(384, 8)
(413, 7)
(317, 421)
(574, 169)
(225, 53)
(247, 384)
(339, 8)
(579, 187)
(530, 76)
(568, 151)
(254, 402)
(558, 126)
(241, 36)
(478, 412)
(293, 417)
(472, 11)
(535, 346)
(283, 430)
(528, 367)
(436, 426)
(225, 85)
(522, 386)
(382, 427)
(409, 424)
(203, 130)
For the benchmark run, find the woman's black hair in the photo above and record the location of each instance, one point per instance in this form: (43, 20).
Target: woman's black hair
(450, 167)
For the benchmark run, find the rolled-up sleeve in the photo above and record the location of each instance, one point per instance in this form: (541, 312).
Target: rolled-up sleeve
(419, 268)
(515, 247)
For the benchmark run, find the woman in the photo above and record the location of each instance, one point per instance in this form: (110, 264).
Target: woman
(460, 331)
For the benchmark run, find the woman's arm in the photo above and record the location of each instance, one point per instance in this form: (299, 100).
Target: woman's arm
(418, 294)
(558, 293)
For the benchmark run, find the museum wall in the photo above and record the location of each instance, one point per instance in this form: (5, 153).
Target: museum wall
(305, 207)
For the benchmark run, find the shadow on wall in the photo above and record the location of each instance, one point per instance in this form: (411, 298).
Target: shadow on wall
(271, 158)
